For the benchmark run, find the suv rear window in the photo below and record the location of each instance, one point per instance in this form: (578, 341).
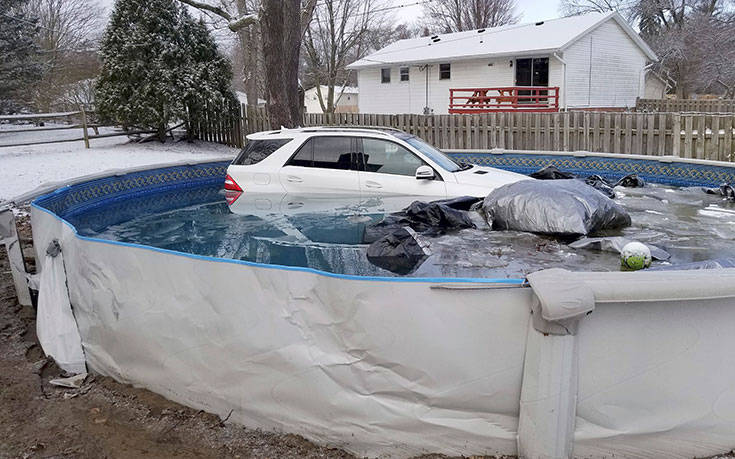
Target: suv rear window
(326, 152)
(257, 150)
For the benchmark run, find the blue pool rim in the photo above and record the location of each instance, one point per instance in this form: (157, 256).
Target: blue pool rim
(610, 167)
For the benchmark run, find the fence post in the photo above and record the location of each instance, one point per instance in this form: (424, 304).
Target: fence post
(676, 135)
(84, 126)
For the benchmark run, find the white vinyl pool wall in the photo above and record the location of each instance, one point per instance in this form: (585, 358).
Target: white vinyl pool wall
(387, 366)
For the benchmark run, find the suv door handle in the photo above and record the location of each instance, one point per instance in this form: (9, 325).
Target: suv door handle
(371, 184)
(294, 179)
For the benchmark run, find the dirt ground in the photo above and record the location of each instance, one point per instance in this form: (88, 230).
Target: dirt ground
(105, 419)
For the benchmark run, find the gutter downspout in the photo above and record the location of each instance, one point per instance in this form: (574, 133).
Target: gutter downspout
(564, 80)
(427, 110)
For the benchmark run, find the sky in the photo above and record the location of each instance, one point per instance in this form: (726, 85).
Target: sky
(530, 10)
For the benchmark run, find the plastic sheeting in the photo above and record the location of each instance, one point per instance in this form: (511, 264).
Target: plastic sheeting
(55, 324)
(406, 366)
(560, 207)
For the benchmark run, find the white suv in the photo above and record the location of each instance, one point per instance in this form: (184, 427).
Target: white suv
(355, 162)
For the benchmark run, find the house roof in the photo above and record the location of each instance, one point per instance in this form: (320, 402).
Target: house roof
(549, 36)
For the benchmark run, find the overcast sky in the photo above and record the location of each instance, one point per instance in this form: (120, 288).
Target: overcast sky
(531, 10)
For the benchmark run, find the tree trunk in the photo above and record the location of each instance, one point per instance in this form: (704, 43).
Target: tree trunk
(281, 37)
(250, 46)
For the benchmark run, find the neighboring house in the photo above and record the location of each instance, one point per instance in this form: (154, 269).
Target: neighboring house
(596, 60)
(346, 101)
(656, 86)
(243, 98)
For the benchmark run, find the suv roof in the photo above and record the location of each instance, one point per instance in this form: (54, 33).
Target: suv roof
(380, 130)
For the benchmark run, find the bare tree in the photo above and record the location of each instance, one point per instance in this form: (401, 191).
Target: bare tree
(337, 36)
(576, 7)
(67, 35)
(458, 15)
(250, 46)
(282, 24)
(694, 39)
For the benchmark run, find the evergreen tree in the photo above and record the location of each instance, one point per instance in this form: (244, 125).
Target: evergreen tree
(156, 60)
(208, 73)
(20, 66)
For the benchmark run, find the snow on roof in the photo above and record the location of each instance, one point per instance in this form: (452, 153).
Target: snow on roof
(510, 40)
(337, 89)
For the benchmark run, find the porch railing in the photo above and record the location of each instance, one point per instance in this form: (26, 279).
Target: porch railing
(506, 99)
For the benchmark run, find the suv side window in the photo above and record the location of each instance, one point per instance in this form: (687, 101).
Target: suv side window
(257, 150)
(386, 157)
(326, 152)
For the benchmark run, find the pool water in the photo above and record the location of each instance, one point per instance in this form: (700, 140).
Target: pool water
(327, 233)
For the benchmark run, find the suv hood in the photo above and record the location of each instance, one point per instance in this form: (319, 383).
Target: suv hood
(488, 177)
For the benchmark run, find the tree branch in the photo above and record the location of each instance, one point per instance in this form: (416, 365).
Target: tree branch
(242, 22)
(234, 24)
(205, 6)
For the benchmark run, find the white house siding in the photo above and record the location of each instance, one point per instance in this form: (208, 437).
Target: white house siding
(655, 87)
(348, 103)
(410, 97)
(604, 69)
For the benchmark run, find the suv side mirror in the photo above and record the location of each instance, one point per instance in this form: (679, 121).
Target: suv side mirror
(424, 173)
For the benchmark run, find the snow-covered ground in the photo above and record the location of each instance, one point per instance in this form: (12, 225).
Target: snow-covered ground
(23, 169)
(14, 134)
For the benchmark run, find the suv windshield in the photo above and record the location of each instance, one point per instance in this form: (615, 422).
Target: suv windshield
(442, 160)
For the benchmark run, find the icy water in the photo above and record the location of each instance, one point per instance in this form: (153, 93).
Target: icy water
(327, 234)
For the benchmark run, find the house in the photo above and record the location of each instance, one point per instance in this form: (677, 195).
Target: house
(346, 99)
(591, 61)
(243, 99)
(656, 86)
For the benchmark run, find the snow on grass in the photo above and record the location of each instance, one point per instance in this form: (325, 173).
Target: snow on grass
(23, 169)
(10, 133)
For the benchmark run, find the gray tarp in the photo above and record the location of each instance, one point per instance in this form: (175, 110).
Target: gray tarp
(568, 208)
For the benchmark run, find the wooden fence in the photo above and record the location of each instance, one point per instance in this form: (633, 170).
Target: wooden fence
(686, 105)
(39, 120)
(702, 136)
(228, 125)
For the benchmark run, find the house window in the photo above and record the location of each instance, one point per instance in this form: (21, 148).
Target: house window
(385, 75)
(404, 73)
(445, 71)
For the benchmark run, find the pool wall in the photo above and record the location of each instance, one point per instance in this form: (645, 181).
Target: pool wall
(401, 366)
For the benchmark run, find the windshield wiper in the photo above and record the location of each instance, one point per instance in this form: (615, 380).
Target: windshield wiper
(465, 166)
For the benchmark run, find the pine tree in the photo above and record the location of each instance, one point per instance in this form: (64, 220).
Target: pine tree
(208, 75)
(156, 61)
(20, 66)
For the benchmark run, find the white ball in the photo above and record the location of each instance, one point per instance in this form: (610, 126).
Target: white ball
(635, 256)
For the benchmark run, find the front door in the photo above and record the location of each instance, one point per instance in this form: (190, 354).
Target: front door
(532, 72)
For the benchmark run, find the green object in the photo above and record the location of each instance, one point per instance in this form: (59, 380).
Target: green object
(633, 263)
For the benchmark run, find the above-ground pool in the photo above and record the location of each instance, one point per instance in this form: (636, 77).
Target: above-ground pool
(328, 233)
(266, 312)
